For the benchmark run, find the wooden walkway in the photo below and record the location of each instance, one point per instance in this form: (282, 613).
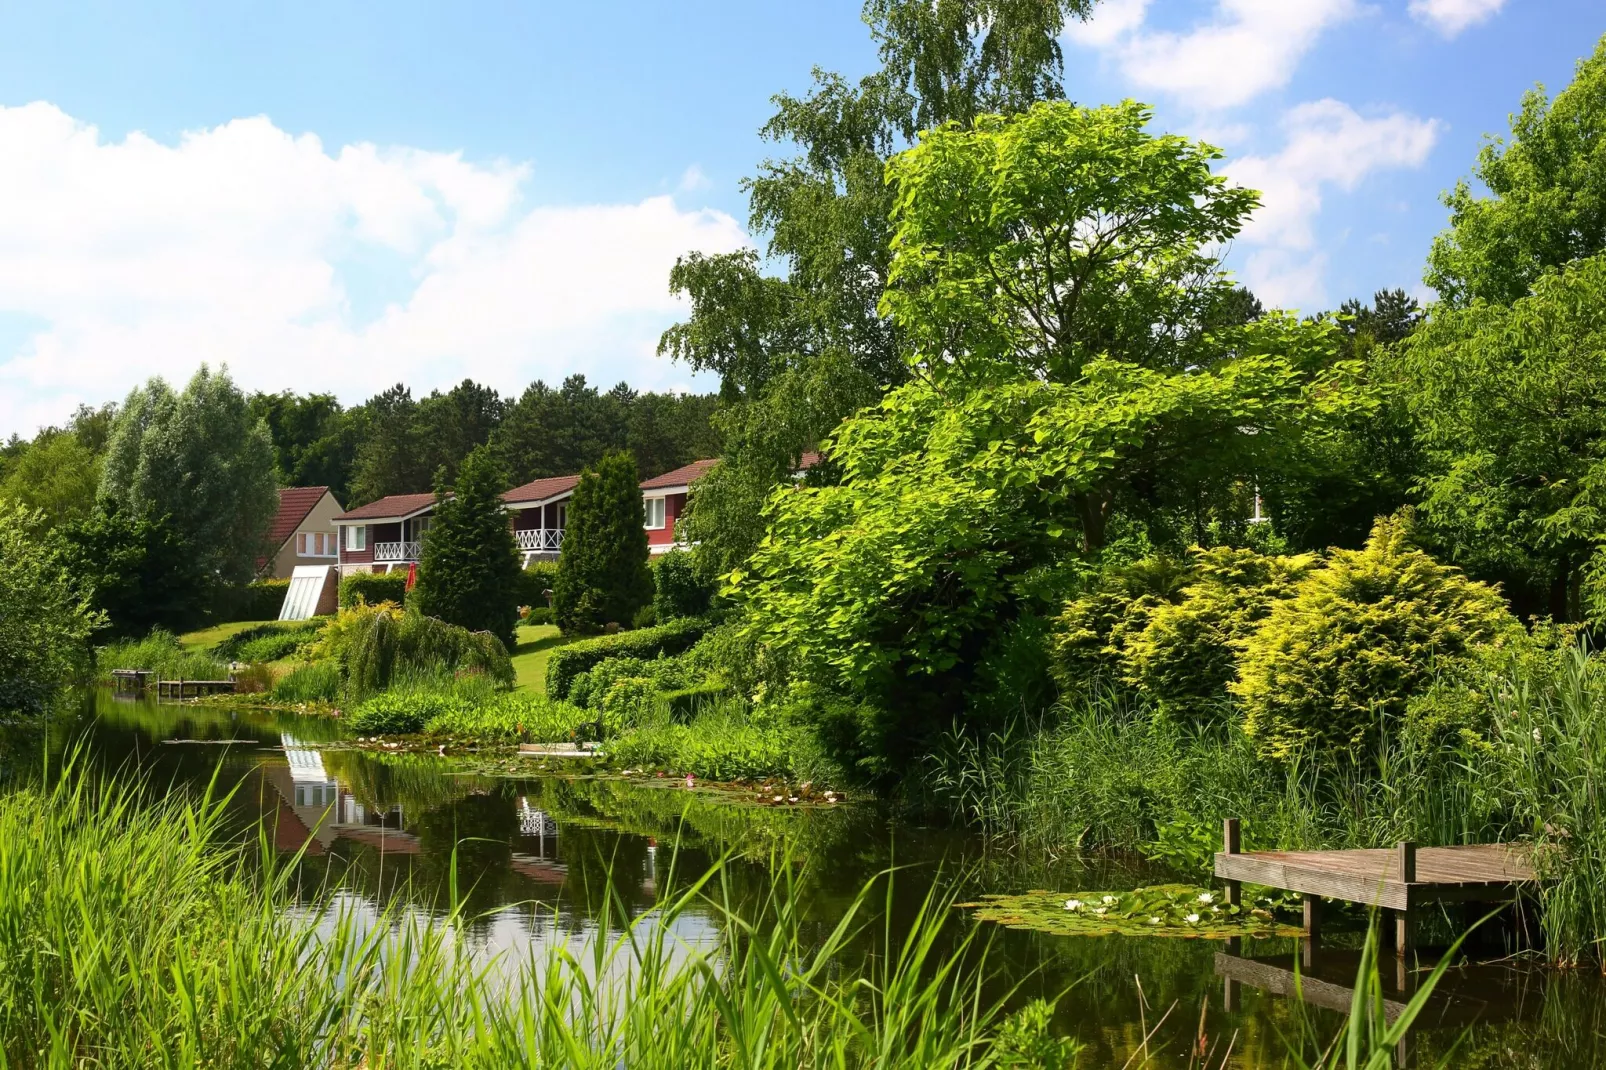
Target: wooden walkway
(193, 688)
(1402, 879)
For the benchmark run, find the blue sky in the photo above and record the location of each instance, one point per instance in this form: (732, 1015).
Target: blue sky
(341, 196)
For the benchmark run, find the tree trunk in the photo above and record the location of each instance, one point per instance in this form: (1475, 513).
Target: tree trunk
(1091, 508)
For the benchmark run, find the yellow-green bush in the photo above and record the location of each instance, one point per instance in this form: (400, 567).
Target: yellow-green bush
(1357, 640)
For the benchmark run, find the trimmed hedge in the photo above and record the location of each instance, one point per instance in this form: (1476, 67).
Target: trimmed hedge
(269, 642)
(570, 661)
(373, 588)
(257, 600)
(687, 702)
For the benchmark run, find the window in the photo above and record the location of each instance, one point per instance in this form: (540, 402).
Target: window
(563, 515)
(356, 537)
(301, 545)
(655, 513)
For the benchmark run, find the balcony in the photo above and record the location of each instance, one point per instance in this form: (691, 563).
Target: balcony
(395, 551)
(539, 540)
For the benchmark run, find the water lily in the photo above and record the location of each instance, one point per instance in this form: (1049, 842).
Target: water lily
(1109, 900)
(1100, 910)
(1154, 921)
(1073, 904)
(1193, 919)
(1206, 897)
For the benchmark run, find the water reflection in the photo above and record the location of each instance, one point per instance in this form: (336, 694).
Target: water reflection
(543, 861)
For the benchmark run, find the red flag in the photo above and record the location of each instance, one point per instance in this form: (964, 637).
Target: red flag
(412, 575)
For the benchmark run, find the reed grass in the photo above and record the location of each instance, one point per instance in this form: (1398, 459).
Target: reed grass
(161, 653)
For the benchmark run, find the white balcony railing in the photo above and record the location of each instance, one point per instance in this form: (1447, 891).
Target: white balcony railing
(539, 540)
(395, 551)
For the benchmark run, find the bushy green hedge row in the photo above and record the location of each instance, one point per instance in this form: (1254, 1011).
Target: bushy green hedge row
(506, 717)
(373, 588)
(269, 642)
(257, 600)
(570, 661)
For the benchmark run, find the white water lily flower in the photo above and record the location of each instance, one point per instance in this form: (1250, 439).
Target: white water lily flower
(1109, 899)
(1100, 910)
(1206, 897)
(1193, 919)
(1154, 921)
(1073, 904)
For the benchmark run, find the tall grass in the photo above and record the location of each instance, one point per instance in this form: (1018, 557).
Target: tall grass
(137, 936)
(161, 653)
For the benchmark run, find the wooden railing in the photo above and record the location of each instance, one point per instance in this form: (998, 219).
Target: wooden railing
(539, 540)
(395, 551)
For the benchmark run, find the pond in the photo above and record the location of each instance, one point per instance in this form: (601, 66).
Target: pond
(540, 858)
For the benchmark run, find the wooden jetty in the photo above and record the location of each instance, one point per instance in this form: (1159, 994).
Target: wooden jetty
(1402, 879)
(193, 688)
(131, 679)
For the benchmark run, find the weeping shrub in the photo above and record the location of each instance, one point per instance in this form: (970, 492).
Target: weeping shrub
(1328, 666)
(377, 645)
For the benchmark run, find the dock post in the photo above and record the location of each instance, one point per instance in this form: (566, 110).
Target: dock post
(1402, 918)
(1232, 843)
(1313, 930)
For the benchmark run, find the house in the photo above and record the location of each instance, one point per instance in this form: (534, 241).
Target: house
(303, 531)
(384, 534)
(540, 511)
(663, 499)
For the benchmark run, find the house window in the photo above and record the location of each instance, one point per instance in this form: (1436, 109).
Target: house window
(356, 537)
(563, 515)
(655, 513)
(301, 545)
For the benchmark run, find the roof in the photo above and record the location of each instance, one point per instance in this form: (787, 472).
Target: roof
(539, 490)
(680, 477)
(394, 506)
(809, 459)
(294, 505)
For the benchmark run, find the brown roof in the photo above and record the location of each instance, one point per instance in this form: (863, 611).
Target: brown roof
(393, 506)
(294, 505)
(809, 459)
(539, 490)
(680, 477)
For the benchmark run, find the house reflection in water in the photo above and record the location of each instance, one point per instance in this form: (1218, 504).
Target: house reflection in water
(315, 810)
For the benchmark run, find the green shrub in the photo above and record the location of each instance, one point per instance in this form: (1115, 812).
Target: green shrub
(373, 588)
(160, 653)
(570, 661)
(629, 702)
(45, 626)
(379, 645)
(401, 713)
(1090, 633)
(316, 681)
(269, 642)
(718, 744)
(686, 703)
(678, 589)
(511, 717)
(535, 580)
(538, 615)
(257, 600)
(468, 567)
(1327, 668)
(592, 686)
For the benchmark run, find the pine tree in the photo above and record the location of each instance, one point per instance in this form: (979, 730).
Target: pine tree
(602, 574)
(468, 572)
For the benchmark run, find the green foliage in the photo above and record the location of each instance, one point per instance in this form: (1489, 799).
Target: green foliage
(313, 682)
(537, 578)
(377, 646)
(204, 461)
(257, 600)
(511, 717)
(568, 662)
(139, 571)
(1332, 665)
(314, 439)
(721, 743)
(1159, 910)
(57, 475)
(372, 588)
(399, 713)
(468, 571)
(603, 575)
(1546, 202)
(678, 589)
(45, 623)
(591, 687)
(160, 652)
(269, 642)
(1511, 404)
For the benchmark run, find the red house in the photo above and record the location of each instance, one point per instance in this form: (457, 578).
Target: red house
(663, 499)
(385, 534)
(540, 511)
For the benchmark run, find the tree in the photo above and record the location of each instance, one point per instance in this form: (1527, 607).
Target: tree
(314, 439)
(603, 575)
(1510, 406)
(550, 432)
(139, 572)
(468, 570)
(451, 425)
(57, 475)
(201, 459)
(1547, 197)
(389, 460)
(45, 622)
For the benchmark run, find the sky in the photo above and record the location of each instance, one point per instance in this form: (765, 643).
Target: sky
(341, 196)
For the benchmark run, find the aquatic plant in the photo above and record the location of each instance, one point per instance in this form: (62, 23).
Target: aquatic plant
(1180, 910)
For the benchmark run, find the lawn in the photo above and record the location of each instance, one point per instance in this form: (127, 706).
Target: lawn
(207, 638)
(535, 644)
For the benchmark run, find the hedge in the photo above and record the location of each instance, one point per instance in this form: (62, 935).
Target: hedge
(570, 661)
(687, 702)
(373, 587)
(257, 600)
(678, 591)
(537, 578)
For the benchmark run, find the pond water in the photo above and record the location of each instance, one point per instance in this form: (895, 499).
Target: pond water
(541, 858)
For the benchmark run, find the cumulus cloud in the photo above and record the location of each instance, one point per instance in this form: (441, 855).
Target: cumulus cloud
(1450, 17)
(247, 245)
(1244, 49)
(1327, 145)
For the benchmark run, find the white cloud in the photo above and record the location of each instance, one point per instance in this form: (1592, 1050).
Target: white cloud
(1327, 145)
(1246, 48)
(247, 245)
(693, 179)
(1450, 17)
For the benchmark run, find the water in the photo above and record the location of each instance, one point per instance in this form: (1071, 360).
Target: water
(544, 859)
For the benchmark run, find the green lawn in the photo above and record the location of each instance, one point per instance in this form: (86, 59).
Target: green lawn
(535, 645)
(207, 638)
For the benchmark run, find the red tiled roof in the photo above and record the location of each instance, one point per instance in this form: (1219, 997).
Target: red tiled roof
(294, 505)
(538, 490)
(385, 508)
(680, 477)
(809, 459)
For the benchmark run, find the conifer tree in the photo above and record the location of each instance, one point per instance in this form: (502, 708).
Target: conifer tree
(602, 574)
(468, 572)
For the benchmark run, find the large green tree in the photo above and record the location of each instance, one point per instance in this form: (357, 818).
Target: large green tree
(45, 621)
(201, 459)
(315, 439)
(603, 576)
(138, 571)
(1545, 204)
(57, 474)
(468, 570)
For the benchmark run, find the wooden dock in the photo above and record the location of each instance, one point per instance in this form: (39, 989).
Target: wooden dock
(193, 688)
(1402, 879)
(131, 679)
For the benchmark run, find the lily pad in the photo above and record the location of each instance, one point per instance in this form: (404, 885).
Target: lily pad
(1178, 910)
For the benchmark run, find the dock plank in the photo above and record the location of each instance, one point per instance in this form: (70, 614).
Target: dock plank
(1471, 873)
